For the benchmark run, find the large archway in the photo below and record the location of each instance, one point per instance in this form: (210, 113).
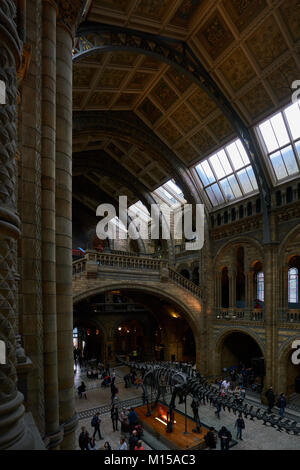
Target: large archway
(289, 374)
(142, 320)
(239, 350)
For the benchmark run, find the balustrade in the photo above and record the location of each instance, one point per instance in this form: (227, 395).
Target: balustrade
(125, 261)
(255, 315)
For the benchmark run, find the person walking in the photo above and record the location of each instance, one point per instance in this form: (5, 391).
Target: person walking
(95, 423)
(225, 438)
(281, 403)
(271, 399)
(114, 417)
(211, 439)
(239, 425)
(92, 444)
(83, 439)
(132, 418)
(218, 409)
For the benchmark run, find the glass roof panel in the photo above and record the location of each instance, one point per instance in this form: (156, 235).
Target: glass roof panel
(280, 130)
(293, 117)
(278, 165)
(268, 136)
(289, 160)
(227, 189)
(235, 156)
(235, 187)
(245, 181)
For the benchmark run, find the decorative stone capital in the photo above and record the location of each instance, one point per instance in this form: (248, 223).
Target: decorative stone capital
(69, 13)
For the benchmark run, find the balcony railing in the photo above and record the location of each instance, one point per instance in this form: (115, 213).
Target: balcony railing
(237, 314)
(289, 316)
(126, 262)
(117, 307)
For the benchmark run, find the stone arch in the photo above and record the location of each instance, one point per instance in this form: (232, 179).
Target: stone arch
(162, 290)
(285, 366)
(286, 241)
(235, 241)
(223, 335)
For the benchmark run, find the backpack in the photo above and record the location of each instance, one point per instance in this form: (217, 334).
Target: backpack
(94, 421)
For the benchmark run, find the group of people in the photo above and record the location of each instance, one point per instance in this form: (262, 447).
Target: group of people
(280, 403)
(130, 427)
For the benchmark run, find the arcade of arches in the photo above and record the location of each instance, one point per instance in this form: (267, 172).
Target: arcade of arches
(89, 114)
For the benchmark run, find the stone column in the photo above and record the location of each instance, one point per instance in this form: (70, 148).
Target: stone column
(249, 288)
(13, 432)
(48, 221)
(232, 288)
(63, 197)
(68, 15)
(270, 304)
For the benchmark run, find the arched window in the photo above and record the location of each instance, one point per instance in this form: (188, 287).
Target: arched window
(260, 288)
(293, 275)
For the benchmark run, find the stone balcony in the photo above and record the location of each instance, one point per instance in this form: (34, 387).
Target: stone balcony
(238, 315)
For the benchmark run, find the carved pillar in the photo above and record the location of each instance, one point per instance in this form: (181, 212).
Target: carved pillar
(48, 220)
(232, 288)
(69, 12)
(270, 304)
(250, 290)
(13, 432)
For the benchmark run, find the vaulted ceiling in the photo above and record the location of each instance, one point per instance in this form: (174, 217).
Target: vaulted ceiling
(249, 47)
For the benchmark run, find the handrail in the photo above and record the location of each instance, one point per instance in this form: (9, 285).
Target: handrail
(125, 261)
(234, 313)
(184, 282)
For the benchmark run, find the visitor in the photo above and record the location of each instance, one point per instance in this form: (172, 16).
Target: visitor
(271, 399)
(225, 438)
(92, 444)
(95, 423)
(127, 380)
(210, 439)
(124, 420)
(122, 445)
(107, 446)
(82, 390)
(83, 439)
(281, 403)
(132, 417)
(113, 391)
(239, 425)
(139, 446)
(114, 413)
(218, 409)
(133, 440)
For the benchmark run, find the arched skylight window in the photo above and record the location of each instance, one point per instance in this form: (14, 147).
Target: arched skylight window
(260, 286)
(227, 175)
(293, 292)
(280, 136)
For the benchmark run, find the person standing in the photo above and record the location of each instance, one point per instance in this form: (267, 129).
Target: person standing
(239, 425)
(133, 440)
(225, 438)
(83, 439)
(271, 399)
(96, 425)
(211, 439)
(218, 409)
(281, 403)
(114, 417)
(122, 445)
(139, 446)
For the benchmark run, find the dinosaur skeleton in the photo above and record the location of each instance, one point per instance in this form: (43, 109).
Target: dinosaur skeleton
(182, 380)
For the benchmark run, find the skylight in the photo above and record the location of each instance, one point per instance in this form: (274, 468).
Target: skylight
(280, 136)
(170, 194)
(227, 175)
